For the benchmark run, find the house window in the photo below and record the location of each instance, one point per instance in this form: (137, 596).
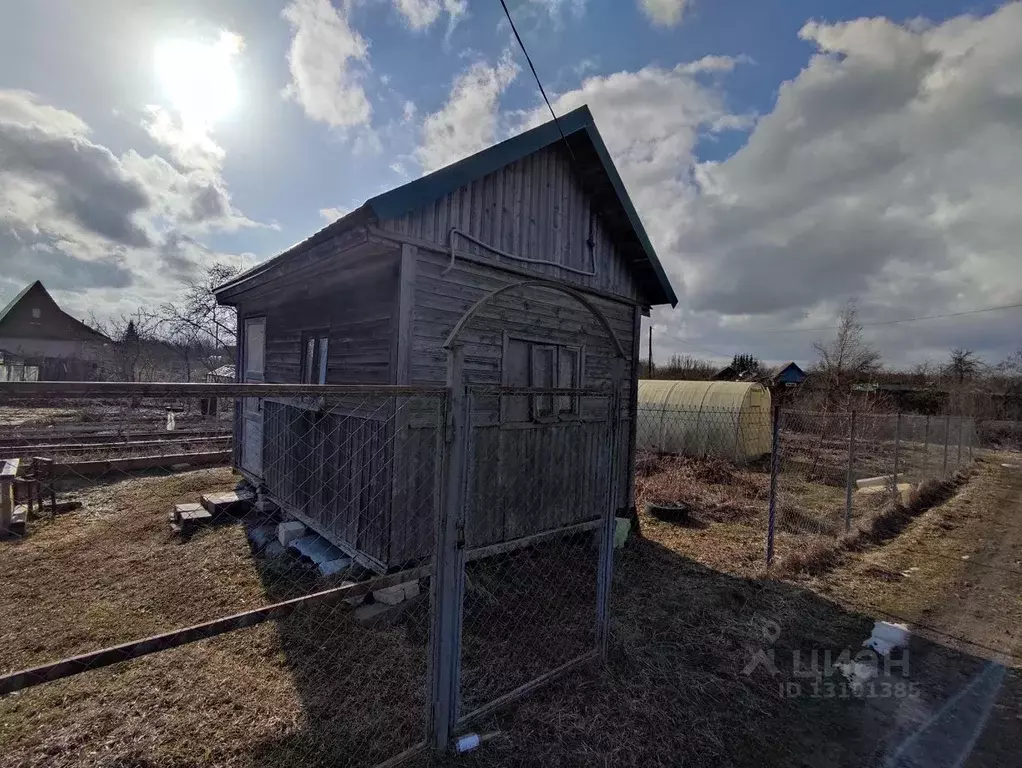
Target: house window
(540, 364)
(36, 313)
(315, 348)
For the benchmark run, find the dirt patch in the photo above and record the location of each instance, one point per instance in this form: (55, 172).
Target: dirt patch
(954, 575)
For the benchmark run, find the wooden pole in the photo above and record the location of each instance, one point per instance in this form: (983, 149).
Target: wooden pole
(897, 451)
(649, 364)
(850, 480)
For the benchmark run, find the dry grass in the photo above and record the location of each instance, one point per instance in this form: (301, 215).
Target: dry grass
(882, 520)
(315, 689)
(112, 571)
(688, 607)
(675, 691)
(729, 511)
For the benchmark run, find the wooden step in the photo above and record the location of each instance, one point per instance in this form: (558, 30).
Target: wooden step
(186, 517)
(235, 503)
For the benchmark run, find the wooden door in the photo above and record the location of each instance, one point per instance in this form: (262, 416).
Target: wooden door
(253, 367)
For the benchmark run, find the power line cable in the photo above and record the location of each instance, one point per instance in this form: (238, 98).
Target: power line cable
(888, 322)
(535, 74)
(704, 349)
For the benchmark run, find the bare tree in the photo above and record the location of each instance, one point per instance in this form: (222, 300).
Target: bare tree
(1011, 365)
(683, 367)
(846, 359)
(922, 373)
(134, 355)
(189, 346)
(962, 364)
(198, 319)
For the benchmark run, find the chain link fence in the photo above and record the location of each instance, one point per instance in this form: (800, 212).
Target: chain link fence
(262, 574)
(835, 467)
(797, 478)
(180, 611)
(539, 497)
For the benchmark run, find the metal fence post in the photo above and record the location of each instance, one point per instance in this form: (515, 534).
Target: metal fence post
(448, 562)
(605, 565)
(959, 442)
(972, 435)
(947, 436)
(897, 449)
(850, 481)
(926, 446)
(775, 450)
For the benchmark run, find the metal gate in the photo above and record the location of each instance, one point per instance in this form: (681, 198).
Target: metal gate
(530, 553)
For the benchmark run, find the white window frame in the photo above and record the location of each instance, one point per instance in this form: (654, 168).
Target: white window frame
(314, 368)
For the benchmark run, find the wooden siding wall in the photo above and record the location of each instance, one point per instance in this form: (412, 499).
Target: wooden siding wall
(332, 465)
(353, 295)
(535, 208)
(529, 479)
(441, 301)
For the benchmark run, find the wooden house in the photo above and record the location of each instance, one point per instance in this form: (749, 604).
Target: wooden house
(37, 333)
(787, 375)
(532, 255)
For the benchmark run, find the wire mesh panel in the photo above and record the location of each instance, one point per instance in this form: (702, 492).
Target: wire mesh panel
(279, 615)
(812, 468)
(540, 494)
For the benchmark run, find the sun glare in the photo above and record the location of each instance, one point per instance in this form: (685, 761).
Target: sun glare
(198, 78)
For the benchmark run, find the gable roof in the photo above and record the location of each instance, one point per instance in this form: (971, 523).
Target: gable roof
(6, 311)
(780, 369)
(592, 163)
(74, 329)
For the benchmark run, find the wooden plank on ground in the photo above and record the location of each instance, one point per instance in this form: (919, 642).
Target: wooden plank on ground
(113, 444)
(137, 463)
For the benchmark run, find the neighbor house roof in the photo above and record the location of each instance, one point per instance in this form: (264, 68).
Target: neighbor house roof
(592, 161)
(16, 318)
(778, 370)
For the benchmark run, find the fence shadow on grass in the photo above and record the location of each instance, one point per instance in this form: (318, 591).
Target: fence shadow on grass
(676, 690)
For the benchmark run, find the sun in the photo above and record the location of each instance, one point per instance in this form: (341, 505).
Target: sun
(198, 78)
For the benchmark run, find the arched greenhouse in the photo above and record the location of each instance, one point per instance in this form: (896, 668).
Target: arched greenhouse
(729, 419)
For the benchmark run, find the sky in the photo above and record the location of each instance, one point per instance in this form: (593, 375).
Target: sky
(785, 156)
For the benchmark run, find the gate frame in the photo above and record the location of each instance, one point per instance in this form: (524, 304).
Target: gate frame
(447, 589)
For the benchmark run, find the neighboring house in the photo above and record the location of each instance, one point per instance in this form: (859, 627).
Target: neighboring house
(36, 330)
(729, 373)
(787, 375)
(222, 375)
(530, 257)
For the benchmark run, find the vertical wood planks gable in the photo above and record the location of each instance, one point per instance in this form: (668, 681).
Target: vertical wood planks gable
(536, 208)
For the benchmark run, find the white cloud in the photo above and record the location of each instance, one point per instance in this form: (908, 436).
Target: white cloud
(408, 112)
(327, 60)
(665, 13)
(422, 14)
(888, 170)
(22, 108)
(556, 8)
(191, 149)
(81, 217)
(333, 214)
(651, 120)
(468, 121)
(585, 66)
